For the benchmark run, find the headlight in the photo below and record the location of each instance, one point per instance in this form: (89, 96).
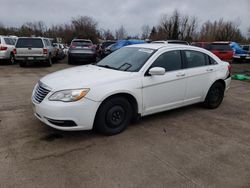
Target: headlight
(69, 95)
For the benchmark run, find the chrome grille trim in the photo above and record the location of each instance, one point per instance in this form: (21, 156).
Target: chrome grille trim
(41, 92)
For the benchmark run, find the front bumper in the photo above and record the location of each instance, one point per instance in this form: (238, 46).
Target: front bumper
(228, 82)
(77, 115)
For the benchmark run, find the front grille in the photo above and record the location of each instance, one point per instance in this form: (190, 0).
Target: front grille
(40, 93)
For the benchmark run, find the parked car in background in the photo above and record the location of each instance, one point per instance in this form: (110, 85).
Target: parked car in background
(134, 81)
(220, 49)
(171, 42)
(65, 49)
(81, 50)
(205, 45)
(7, 45)
(121, 43)
(246, 47)
(34, 49)
(240, 55)
(59, 51)
(103, 47)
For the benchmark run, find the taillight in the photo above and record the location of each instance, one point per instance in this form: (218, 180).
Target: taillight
(14, 51)
(72, 46)
(2, 48)
(45, 51)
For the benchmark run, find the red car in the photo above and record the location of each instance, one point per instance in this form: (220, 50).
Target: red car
(220, 49)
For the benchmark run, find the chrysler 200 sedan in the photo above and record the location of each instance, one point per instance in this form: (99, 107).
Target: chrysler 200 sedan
(134, 81)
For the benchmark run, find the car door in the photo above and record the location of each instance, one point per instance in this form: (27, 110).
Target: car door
(199, 74)
(162, 92)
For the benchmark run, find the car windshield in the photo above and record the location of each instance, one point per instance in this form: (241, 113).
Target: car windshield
(82, 43)
(29, 43)
(127, 59)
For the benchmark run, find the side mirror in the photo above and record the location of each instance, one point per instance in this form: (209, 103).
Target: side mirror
(157, 71)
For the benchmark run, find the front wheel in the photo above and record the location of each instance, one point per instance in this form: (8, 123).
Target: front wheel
(215, 95)
(113, 116)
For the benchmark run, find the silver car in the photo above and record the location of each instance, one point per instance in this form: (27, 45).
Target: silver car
(7, 46)
(81, 50)
(34, 49)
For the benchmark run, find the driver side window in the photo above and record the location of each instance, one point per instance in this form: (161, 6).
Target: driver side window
(170, 60)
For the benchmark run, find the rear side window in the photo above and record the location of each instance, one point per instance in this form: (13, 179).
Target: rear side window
(8, 41)
(195, 59)
(169, 60)
(29, 43)
(221, 47)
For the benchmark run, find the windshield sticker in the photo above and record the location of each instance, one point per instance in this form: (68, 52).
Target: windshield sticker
(149, 51)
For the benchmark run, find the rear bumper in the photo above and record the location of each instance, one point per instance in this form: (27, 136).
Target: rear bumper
(4, 55)
(82, 57)
(241, 57)
(31, 58)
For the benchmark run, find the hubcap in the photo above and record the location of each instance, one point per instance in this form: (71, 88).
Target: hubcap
(115, 116)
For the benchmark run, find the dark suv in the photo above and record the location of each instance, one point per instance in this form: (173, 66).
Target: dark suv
(81, 50)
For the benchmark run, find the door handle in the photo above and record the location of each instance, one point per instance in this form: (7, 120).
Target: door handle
(209, 69)
(180, 74)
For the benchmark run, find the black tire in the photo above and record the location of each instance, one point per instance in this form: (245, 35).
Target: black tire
(215, 95)
(12, 59)
(49, 61)
(22, 64)
(70, 62)
(113, 116)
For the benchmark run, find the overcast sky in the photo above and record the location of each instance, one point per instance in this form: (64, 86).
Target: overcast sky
(114, 13)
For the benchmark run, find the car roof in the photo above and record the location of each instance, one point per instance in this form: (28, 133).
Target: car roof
(156, 46)
(32, 38)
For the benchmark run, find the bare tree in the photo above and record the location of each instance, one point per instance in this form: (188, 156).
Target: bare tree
(220, 30)
(176, 26)
(121, 33)
(248, 33)
(108, 35)
(85, 27)
(145, 31)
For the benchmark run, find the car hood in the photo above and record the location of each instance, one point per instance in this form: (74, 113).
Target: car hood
(86, 76)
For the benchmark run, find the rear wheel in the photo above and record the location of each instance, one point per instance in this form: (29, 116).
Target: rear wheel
(215, 95)
(70, 62)
(113, 116)
(49, 61)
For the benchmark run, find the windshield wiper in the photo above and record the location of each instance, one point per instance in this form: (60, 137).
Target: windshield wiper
(107, 66)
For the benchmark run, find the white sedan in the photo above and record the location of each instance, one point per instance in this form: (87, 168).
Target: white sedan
(134, 81)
